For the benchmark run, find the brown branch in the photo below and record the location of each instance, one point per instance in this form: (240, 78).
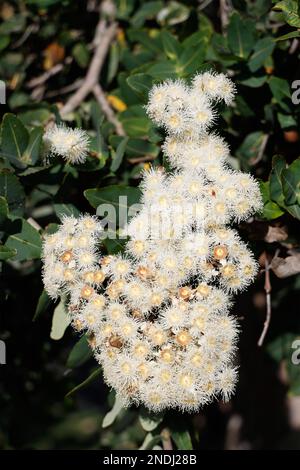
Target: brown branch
(106, 108)
(224, 14)
(41, 79)
(268, 289)
(145, 158)
(104, 35)
(33, 28)
(66, 89)
(203, 4)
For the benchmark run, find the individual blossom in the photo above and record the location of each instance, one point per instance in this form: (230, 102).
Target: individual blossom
(70, 144)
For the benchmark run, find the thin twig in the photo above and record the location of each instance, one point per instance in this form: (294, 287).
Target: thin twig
(145, 158)
(268, 289)
(204, 3)
(166, 439)
(106, 108)
(41, 79)
(66, 89)
(103, 37)
(224, 14)
(33, 28)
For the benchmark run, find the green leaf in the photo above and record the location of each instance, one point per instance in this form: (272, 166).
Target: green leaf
(124, 9)
(241, 36)
(80, 353)
(4, 42)
(149, 421)
(278, 164)
(254, 82)
(141, 83)
(182, 440)
(14, 24)
(114, 245)
(3, 210)
(14, 140)
(136, 110)
(113, 62)
(42, 305)
(110, 417)
(91, 378)
(163, 70)
(43, 3)
(18, 99)
(290, 10)
(12, 190)
(31, 170)
(271, 210)
(32, 152)
(150, 441)
(249, 148)
(280, 89)
(60, 321)
(51, 228)
(137, 147)
(136, 126)
(118, 157)
(294, 210)
(290, 178)
(291, 35)
(171, 45)
(98, 144)
(35, 117)
(173, 13)
(140, 60)
(204, 34)
(62, 210)
(81, 54)
(120, 197)
(26, 240)
(191, 59)
(262, 50)
(280, 348)
(148, 10)
(286, 120)
(264, 187)
(243, 107)
(6, 253)
(151, 44)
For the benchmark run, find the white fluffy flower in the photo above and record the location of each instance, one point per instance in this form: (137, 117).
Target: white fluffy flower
(70, 144)
(215, 86)
(158, 317)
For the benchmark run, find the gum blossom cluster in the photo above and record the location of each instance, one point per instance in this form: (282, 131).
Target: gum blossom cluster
(157, 316)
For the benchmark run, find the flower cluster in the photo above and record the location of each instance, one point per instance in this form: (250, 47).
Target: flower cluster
(71, 144)
(158, 315)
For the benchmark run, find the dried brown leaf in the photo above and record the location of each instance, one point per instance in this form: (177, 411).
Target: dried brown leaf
(276, 234)
(285, 267)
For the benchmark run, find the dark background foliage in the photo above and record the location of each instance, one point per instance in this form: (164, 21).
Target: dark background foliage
(46, 47)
